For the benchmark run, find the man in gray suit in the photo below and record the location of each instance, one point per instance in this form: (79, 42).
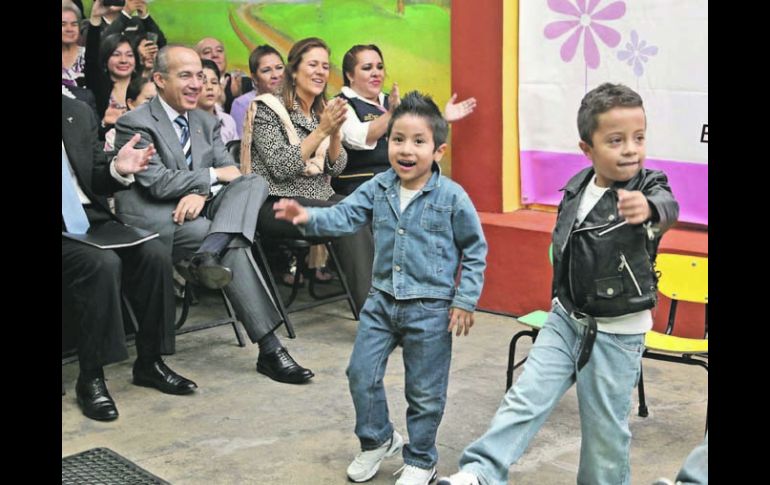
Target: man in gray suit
(205, 211)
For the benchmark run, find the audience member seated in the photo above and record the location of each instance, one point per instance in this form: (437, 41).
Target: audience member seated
(232, 82)
(207, 101)
(93, 278)
(72, 55)
(369, 111)
(299, 167)
(146, 49)
(267, 67)
(140, 90)
(205, 211)
(109, 67)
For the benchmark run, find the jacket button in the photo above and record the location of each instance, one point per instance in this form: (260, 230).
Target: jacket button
(611, 217)
(610, 291)
(401, 231)
(397, 268)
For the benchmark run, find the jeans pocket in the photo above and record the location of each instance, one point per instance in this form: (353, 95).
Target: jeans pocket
(628, 342)
(434, 304)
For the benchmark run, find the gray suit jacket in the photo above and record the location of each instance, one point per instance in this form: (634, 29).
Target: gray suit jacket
(153, 198)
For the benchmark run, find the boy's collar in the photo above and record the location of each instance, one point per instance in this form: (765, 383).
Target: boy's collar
(390, 178)
(582, 178)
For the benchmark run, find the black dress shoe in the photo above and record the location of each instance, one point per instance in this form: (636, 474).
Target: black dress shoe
(205, 269)
(94, 400)
(161, 377)
(279, 366)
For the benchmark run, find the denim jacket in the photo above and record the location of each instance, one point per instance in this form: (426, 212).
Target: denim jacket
(417, 252)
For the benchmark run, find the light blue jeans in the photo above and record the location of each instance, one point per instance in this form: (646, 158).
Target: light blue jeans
(604, 388)
(695, 470)
(420, 325)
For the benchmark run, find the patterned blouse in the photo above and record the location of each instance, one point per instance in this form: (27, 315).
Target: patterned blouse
(69, 75)
(281, 164)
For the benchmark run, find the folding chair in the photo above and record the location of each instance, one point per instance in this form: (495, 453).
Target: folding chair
(682, 278)
(299, 248)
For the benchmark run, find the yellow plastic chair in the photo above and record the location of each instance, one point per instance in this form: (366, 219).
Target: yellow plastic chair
(535, 320)
(682, 278)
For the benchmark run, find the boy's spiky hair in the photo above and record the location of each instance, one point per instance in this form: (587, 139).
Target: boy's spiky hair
(422, 105)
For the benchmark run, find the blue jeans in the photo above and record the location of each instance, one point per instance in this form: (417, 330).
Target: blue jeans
(695, 470)
(420, 325)
(604, 388)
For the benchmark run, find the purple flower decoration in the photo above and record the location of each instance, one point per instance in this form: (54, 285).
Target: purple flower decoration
(637, 52)
(585, 22)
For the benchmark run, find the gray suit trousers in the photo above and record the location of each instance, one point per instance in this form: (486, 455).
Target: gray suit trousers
(234, 210)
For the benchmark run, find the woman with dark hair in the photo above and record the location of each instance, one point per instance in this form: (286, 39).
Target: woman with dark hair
(139, 91)
(267, 68)
(296, 146)
(109, 68)
(369, 111)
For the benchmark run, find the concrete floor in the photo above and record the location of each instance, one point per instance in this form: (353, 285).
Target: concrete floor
(241, 427)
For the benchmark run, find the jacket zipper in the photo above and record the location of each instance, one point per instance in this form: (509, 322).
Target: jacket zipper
(624, 264)
(620, 224)
(569, 268)
(582, 229)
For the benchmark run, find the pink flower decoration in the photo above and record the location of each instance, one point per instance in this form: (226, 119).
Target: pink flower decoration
(585, 22)
(637, 53)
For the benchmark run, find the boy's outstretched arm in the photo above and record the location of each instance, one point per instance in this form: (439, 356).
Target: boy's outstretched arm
(664, 207)
(655, 203)
(633, 206)
(460, 319)
(290, 210)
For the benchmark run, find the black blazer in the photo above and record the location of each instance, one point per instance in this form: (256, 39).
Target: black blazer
(88, 160)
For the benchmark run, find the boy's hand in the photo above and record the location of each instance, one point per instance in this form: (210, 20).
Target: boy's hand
(291, 210)
(633, 206)
(462, 319)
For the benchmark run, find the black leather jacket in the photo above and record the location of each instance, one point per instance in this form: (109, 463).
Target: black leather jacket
(604, 267)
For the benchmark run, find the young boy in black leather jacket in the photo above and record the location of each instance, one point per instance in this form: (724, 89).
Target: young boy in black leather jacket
(607, 233)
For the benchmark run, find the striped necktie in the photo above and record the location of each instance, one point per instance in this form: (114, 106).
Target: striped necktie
(181, 121)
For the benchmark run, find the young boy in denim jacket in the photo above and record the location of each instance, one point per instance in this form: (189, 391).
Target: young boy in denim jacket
(425, 228)
(607, 233)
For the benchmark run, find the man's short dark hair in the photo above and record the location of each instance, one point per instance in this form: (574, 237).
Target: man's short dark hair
(422, 105)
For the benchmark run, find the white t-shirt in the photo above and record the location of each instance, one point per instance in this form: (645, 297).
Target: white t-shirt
(406, 196)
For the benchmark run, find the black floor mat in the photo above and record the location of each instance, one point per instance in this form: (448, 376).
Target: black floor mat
(103, 466)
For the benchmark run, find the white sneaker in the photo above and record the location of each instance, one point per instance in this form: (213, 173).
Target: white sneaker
(413, 475)
(366, 463)
(459, 478)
